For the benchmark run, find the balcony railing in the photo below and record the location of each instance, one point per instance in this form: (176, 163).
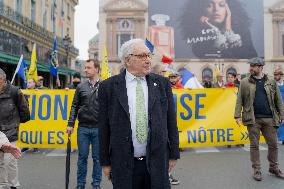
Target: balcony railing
(10, 14)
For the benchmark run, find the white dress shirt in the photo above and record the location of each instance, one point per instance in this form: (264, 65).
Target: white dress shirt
(131, 83)
(3, 139)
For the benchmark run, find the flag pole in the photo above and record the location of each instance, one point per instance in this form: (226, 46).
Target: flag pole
(13, 78)
(17, 68)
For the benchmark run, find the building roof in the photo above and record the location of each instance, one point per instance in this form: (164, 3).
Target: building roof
(95, 39)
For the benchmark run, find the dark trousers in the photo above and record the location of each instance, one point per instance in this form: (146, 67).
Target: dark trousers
(141, 176)
(265, 125)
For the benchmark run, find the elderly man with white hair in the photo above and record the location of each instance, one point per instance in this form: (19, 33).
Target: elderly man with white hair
(137, 123)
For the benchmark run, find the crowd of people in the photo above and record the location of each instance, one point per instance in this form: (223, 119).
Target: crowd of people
(129, 120)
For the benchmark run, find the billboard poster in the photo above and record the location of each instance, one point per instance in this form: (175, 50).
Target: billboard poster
(206, 29)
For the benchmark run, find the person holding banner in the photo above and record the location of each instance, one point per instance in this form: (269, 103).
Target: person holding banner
(31, 85)
(76, 80)
(231, 78)
(220, 83)
(259, 106)
(85, 106)
(278, 76)
(137, 123)
(15, 111)
(39, 84)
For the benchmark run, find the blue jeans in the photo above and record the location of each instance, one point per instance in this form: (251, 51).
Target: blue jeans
(85, 138)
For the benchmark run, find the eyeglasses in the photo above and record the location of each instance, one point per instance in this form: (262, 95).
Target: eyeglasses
(143, 56)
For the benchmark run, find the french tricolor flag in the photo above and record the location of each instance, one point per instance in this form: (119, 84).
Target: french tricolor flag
(165, 59)
(189, 81)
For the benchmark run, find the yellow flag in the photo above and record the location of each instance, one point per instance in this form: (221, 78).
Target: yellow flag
(32, 73)
(105, 70)
(216, 71)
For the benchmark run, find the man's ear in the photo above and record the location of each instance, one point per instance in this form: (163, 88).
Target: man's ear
(126, 61)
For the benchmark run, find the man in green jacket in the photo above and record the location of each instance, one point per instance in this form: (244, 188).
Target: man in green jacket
(259, 106)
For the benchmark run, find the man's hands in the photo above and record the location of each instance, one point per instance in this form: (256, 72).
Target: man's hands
(12, 149)
(172, 164)
(107, 170)
(70, 130)
(239, 121)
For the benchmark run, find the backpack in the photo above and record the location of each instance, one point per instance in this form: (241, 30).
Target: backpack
(24, 112)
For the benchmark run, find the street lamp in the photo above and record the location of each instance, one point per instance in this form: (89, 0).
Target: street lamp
(67, 42)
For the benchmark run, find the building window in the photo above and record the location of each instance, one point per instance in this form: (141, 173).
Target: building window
(282, 30)
(68, 10)
(54, 25)
(44, 14)
(62, 31)
(125, 32)
(62, 8)
(53, 15)
(207, 72)
(62, 18)
(18, 6)
(33, 10)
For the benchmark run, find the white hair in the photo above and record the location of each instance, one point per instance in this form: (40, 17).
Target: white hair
(127, 48)
(2, 74)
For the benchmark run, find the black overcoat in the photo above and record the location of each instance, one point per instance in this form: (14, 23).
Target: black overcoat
(116, 148)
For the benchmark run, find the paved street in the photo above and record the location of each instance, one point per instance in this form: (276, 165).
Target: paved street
(199, 168)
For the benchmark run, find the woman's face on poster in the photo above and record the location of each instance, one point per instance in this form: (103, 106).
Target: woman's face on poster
(216, 11)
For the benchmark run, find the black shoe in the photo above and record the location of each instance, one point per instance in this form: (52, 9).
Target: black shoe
(283, 142)
(36, 151)
(24, 150)
(173, 181)
(276, 172)
(12, 187)
(257, 175)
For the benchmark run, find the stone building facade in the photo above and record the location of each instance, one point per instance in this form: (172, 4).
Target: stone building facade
(25, 22)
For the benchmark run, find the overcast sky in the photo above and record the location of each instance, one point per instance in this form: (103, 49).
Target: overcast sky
(86, 18)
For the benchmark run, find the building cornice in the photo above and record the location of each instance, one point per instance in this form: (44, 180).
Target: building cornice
(75, 2)
(277, 12)
(125, 6)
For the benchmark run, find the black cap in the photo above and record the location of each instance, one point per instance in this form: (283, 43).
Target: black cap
(256, 61)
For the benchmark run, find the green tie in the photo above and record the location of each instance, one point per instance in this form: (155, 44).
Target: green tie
(141, 116)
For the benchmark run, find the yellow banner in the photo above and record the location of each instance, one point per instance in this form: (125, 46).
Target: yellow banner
(205, 117)
(49, 116)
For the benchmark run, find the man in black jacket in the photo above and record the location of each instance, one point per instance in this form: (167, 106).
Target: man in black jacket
(137, 124)
(13, 107)
(85, 106)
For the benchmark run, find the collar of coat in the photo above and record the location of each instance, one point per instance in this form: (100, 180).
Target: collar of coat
(6, 88)
(251, 79)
